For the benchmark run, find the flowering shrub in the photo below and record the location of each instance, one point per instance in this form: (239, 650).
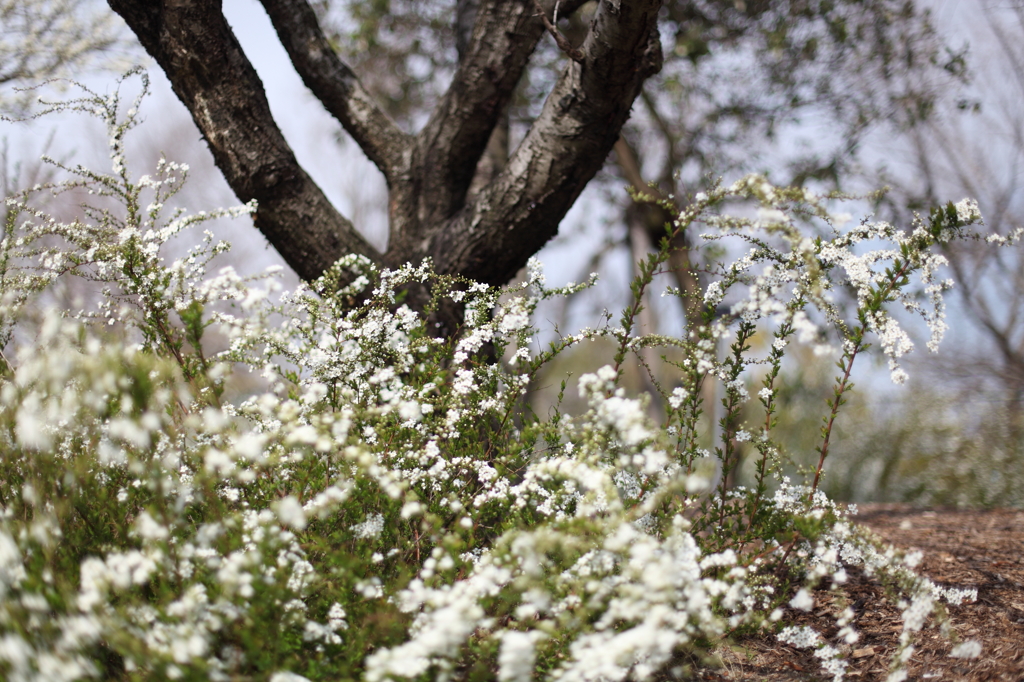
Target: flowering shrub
(388, 507)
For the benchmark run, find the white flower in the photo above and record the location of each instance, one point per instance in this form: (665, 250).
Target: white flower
(802, 600)
(286, 676)
(409, 410)
(464, 383)
(771, 216)
(336, 617)
(31, 425)
(799, 637)
(714, 294)
(290, 513)
(370, 528)
(968, 649)
(514, 320)
(250, 446)
(967, 211)
(149, 528)
(517, 654)
(679, 394)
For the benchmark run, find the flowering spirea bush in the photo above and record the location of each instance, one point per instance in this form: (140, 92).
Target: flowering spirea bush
(387, 506)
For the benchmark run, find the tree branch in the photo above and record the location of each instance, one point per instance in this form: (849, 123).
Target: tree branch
(671, 140)
(336, 85)
(506, 222)
(563, 43)
(193, 44)
(504, 36)
(505, 33)
(516, 214)
(495, 155)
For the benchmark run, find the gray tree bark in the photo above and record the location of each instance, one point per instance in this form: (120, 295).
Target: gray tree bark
(486, 234)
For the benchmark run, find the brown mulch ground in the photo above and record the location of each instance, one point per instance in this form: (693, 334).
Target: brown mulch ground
(962, 549)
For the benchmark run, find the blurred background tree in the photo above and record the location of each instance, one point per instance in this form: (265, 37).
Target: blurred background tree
(43, 43)
(957, 436)
(41, 40)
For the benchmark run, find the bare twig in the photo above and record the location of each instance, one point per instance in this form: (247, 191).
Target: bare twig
(562, 41)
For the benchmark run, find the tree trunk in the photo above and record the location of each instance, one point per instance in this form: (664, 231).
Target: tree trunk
(484, 228)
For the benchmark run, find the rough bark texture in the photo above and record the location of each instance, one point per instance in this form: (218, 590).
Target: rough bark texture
(487, 233)
(193, 44)
(513, 217)
(335, 84)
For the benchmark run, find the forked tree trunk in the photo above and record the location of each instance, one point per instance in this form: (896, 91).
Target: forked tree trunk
(486, 234)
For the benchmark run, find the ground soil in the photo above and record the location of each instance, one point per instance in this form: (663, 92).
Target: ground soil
(962, 549)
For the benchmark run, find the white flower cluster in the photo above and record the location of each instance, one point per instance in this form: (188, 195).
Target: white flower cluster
(337, 493)
(807, 638)
(796, 270)
(844, 545)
